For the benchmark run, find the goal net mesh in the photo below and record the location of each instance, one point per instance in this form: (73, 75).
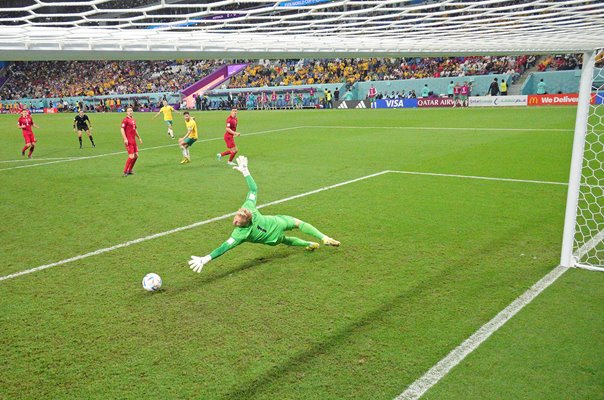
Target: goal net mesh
(303, 27)
(588, 247)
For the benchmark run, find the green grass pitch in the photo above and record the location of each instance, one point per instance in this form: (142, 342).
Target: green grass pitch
(425, 260)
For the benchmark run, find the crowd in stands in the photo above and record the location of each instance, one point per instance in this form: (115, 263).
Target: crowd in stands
(303, 72)
(58, 79)
(560, 62)
(93, 78)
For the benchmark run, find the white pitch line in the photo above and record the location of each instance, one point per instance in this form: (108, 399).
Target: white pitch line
(182, 228)
(141, 149)
(81, 158)
(436, 128)
(36, 159)
(299, 127)
(442, 368)
(486, 178)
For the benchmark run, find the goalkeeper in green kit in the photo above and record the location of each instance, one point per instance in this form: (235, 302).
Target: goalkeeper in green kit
(251, 226)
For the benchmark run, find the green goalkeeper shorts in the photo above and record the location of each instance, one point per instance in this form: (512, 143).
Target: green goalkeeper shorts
(286, 222)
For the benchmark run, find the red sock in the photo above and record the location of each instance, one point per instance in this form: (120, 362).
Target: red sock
(132, 163)
(31, 150)
(232, 156)
(127, 167)
(224, 153)
(24, 148)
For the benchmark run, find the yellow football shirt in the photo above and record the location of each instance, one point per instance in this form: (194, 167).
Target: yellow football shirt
(192, 128)
(167, 111)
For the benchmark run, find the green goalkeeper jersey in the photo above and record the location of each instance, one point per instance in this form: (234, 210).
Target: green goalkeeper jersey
(265, 229)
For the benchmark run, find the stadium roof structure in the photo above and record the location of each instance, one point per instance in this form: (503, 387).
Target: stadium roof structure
(168, 29)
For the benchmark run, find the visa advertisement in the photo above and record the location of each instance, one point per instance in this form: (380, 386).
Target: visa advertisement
(394, 103)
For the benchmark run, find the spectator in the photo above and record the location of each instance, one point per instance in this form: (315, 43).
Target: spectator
(494, 88)
(450, 88)
(425, 91)
(541, 88)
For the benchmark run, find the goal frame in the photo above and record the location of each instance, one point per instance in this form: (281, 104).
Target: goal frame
(567, 257)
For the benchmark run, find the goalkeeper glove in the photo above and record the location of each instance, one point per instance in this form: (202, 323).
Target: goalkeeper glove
(242, 165)
(197, 263)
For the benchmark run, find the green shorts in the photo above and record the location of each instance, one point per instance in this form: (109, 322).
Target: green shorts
(189, 141)
(168, 122)
(286, 222)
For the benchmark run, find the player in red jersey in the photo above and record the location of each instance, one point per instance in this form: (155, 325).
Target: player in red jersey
(129, 134)
(229, 137)
(26, 123)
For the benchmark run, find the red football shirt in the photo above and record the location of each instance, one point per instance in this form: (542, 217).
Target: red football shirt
(129, 125)
(26, 123)
(231, 123)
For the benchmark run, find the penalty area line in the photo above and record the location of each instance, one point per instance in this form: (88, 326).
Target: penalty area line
(485, 178)
(180, 229)
(441, 128)
(35, 159)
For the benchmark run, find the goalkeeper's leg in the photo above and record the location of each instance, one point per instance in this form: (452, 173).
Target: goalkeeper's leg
(294, 241)
(312, 231)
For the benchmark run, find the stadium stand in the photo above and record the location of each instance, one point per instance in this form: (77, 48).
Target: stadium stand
(560, 62)
(55, 79)
(350, 71)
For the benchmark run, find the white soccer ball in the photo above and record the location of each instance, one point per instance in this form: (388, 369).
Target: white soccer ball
(151, 282)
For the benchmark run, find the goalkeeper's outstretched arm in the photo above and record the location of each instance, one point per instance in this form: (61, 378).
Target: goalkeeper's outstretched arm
(197, 263)
(252, 194)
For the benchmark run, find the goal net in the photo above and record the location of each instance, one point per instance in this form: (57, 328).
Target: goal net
(192, 29)
(586, 183)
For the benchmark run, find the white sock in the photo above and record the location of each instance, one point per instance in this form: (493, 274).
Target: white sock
(184, 151)
(187, 151)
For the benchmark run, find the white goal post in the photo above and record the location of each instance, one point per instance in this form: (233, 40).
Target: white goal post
(582, 243)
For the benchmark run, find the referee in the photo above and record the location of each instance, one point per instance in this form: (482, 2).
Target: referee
(81, 122)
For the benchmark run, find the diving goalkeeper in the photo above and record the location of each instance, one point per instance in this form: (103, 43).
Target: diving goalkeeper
(251, 226)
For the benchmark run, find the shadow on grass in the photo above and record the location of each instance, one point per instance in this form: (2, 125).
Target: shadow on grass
(256, 262)
(342, 337)
(228, 272)
(339, 338)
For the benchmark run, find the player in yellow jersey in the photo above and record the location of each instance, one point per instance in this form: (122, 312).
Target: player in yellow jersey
(191, 137)
(167, 111)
